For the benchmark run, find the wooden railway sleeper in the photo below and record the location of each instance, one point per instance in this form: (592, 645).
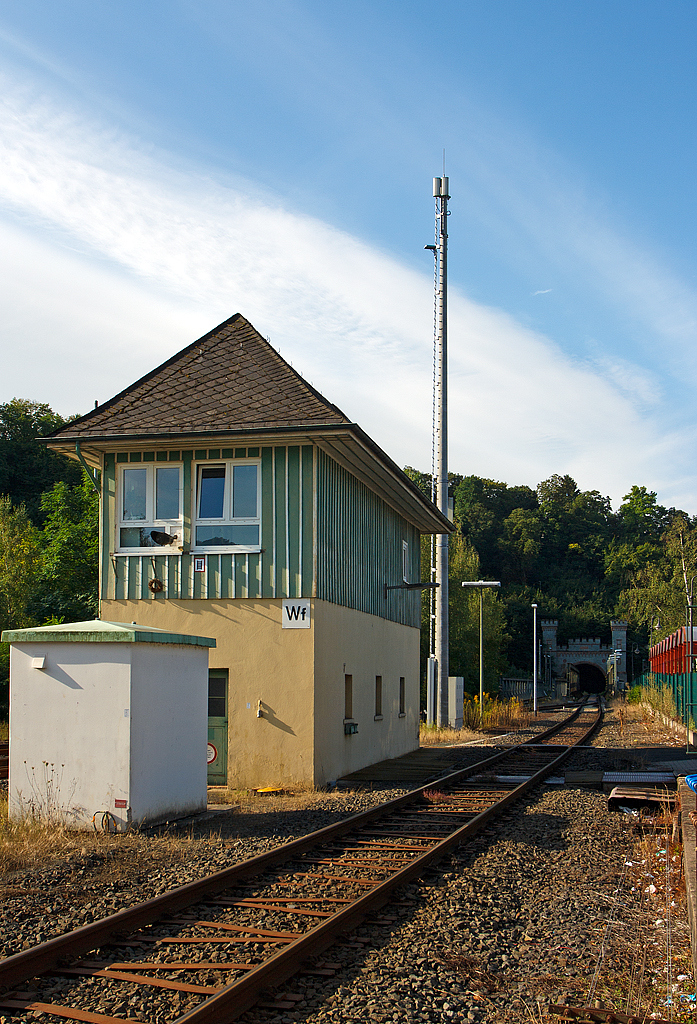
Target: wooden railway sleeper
(234, 998)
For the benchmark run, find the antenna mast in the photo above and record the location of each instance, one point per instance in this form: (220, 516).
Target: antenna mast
(439, 567)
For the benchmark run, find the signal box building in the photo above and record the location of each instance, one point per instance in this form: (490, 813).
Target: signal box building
(237, 503)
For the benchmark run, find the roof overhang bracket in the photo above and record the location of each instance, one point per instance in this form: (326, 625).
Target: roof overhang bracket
(411, 586)
(92, 475)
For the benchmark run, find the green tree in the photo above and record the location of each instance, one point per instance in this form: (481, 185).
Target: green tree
(28, 467)
(20, 563)
(463, 608)
(464, 621)
(557, 492)
(70, 558)
(659, 592)
(643, 521)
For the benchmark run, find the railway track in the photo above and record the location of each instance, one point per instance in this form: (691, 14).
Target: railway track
(207, 951)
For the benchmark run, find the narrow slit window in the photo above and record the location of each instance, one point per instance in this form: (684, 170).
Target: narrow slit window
(378, 696)
(402, 695)
(217, 693)
(405, 561)
(348, 696)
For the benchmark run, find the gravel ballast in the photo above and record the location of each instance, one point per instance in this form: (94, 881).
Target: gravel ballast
(508, 924)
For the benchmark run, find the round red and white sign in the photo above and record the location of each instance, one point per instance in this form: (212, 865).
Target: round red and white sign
(212, 753)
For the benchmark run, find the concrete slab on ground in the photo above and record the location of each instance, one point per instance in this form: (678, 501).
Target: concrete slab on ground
(686, 766)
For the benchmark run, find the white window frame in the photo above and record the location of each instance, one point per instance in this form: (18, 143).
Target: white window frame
(405, 561)
(150, 522)
(227, 519)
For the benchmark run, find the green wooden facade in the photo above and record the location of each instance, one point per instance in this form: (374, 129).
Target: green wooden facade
(359, 545)
(324, 534)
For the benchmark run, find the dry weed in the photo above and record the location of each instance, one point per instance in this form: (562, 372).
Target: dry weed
(32, 843)
(498, 716)
(252, 802)
(432, 736)
(471, 969)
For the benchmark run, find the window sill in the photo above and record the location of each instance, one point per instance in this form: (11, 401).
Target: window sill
(231, 550)
(154, 552)
(378, 718)
(402, 714)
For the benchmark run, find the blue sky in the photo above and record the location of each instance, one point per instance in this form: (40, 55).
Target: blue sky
(164, 165)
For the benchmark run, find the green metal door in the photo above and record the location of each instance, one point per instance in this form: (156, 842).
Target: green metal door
(217, 727)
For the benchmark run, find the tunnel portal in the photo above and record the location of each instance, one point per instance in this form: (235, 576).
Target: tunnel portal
(591, 679)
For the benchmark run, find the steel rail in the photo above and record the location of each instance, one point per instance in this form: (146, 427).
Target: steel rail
(242, 994)
(39, 959)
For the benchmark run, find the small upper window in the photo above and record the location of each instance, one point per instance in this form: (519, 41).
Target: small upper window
(405, 561)
(227, 506)
(150, 507)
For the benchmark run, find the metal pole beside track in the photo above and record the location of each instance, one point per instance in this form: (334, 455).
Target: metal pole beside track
(534, 659)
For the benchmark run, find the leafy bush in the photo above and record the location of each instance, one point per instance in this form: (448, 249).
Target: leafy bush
(634, 695)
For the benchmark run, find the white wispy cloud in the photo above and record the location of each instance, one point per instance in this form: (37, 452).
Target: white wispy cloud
(542, 291)
(164, 253)
(544, 211)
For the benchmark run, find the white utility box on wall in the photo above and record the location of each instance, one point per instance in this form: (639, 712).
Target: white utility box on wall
(108, 723)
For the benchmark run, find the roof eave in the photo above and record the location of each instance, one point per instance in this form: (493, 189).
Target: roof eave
(347, 444)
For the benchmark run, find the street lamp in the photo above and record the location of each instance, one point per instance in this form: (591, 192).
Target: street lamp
(534, 658)
(481, 584)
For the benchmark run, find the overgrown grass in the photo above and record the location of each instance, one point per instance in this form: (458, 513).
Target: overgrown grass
(250, 802)
(32, 842)
(497, 714)
(660, 699)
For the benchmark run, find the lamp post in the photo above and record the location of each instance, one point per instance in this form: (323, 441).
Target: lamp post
(481, 584)
(534, 659)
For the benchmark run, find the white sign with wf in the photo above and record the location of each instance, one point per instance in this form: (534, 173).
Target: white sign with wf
(295, 614)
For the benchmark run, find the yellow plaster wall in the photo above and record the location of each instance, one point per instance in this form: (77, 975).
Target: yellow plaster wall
(364, 646)
(265, 662)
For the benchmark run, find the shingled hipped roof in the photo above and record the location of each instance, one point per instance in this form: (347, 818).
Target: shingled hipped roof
(228, 380)
(229, 384)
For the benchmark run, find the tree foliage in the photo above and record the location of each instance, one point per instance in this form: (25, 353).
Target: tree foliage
(20, 565)
(28, 468)
(463, 608)
(581, 563)
(49, 535)
(659, 591)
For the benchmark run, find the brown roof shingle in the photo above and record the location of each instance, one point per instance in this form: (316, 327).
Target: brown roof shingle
(230, 379)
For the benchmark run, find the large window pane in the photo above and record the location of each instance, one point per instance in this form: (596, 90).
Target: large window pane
(134, 490)
(211, 492)
(167, 493)
(135, 537)
(225, 536)
(244, 492)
